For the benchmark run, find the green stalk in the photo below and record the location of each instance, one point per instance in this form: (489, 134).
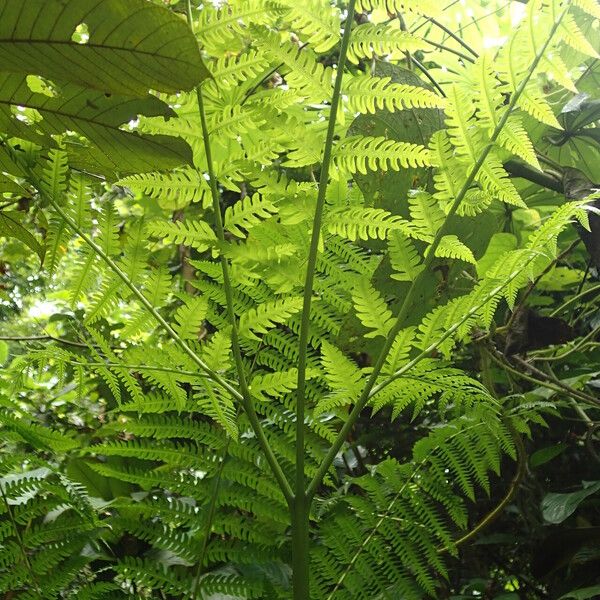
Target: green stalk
(409, 299)
(301, 508)
(247, 401)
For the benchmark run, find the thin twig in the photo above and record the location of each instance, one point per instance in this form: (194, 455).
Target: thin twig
(40, 338)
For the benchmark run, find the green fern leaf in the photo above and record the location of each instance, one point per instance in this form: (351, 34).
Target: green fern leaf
(54, 182)
(404, 257)
(428, 8)
(358, 154)
(229, 71)
(427, 216)
(195, 234)
(267, 315)
(381, 39)
(451, 247)
(306, 76)
(175, 189)
(368, 94)
(343, 378)
(371, 309)
(190, 316)
(363, 223)
(247, 213)
(317, 21)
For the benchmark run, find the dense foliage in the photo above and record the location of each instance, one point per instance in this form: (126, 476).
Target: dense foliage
(298, 299)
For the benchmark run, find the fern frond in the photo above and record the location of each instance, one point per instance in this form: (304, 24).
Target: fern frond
(234, 120)
(247, 213)
(451, 247)
(175, 189)
(317, 21)
(588, 6)
(267, 315)
(515, 139)
(193, 233)
(218, 28)
(371, 309)
(427, 216)
(55, 184)
(343, 378)
(190, 316)
(572, 35)
(381, 39)
(363, 223)
(156, 289)
(306, 76)
(358, 154)
(368, 94)
(404, 257)
(427, 8)
(276, 384)
(229, 71)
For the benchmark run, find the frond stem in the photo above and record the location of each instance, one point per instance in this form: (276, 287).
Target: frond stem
(42, 338)
(246, 396)
(455, 37)
(312, 256)
(212, 510)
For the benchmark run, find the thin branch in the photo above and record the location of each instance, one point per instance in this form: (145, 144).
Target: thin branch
(212, 510)
(574, 299)
(535, 282)
(546, 179)
(579, 345)
(246, 396)
(41, 338)
(451, 50)
(133, 367)
(455, 37)
(429, 76)
(544, 382)
(557, 382)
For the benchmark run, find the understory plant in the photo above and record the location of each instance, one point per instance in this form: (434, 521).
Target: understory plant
(260, 225)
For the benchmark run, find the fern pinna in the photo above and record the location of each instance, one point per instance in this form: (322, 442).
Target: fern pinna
(234, 317)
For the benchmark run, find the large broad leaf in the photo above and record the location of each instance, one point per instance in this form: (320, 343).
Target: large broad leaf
(133, 45)
(583, 593)
(558, 507)
(577, 145)
(11, 227)
(99, 117)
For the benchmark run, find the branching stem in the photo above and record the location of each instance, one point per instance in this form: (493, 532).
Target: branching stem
(409, 299)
